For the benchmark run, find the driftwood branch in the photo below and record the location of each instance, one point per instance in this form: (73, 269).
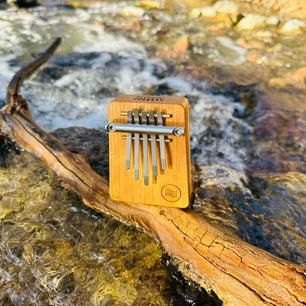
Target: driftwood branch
(239, 273)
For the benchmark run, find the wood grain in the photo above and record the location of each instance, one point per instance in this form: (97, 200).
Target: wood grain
(176, 177)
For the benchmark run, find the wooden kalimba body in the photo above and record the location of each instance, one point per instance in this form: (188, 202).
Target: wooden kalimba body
(149, 150)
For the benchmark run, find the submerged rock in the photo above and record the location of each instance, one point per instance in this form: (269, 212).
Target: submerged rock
(222, 7)
(297, 79)
(225, 7)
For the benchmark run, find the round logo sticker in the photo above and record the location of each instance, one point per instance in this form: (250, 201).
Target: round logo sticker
(171, 193)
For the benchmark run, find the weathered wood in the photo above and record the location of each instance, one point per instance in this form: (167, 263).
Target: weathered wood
(239, 273)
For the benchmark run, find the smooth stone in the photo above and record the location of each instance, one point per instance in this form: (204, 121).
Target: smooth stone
(293, 26)
(220, 7)
(204, 11)
(273, 20)
(225, 7)
(251, 22)
(132, 11)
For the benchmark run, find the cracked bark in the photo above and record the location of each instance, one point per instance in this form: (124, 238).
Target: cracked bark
(239, 273)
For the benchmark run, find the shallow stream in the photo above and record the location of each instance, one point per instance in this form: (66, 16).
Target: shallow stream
(247, 147)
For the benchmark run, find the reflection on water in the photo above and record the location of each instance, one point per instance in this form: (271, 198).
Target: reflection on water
(247, 149)
(56, 251)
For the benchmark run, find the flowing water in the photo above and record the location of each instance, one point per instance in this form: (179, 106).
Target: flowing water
(247, 151)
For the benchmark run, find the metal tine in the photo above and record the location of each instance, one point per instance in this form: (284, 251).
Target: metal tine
(128, 143)
(153, 144)
(145, 151)
(136, 146)
(149, 139)
(161, 142)
(164, 115)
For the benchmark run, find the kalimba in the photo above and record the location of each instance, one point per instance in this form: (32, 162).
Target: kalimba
(149, 150)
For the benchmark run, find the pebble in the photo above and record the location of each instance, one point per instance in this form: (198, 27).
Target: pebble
(204, 11)
(225, 7)
(251, 22)
(132, 11)
(220, 7)
(297, 79)
(254, 56)
(273, 20)
(293, 26)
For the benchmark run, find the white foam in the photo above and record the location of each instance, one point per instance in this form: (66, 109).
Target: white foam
(97, 40)
(6, 73)
(123, 67)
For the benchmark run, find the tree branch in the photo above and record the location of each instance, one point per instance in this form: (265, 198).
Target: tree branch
(239, 273)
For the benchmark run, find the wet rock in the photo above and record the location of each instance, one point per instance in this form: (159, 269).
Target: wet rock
(225, 7)
(26, 3)
(293, 26)
(178, 49)
(221, 176)
(3, 4)
(162, 89)
(273, 20)
(132, 11)
(220, 7)
(75, 4)
(237, 201)
(250, 22)
(181, 45)
(224, 13)
(107, 92)
(245, 94)
(289, 9)
(279, 127)
(255, 56)
(297, 79)
(205, 11)
(50, 73)
(279, 194)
